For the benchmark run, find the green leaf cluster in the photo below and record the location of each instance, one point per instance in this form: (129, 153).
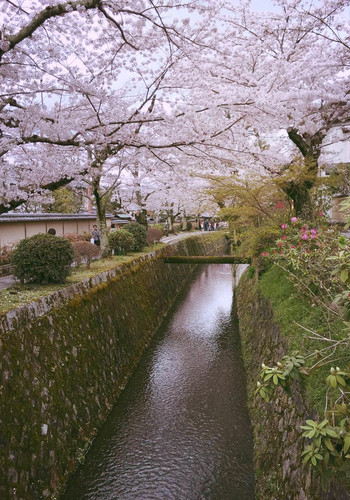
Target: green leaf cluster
(121, 241)
(43, 258)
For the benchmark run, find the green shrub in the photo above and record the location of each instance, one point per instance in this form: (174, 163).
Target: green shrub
(257, 239)
(189, 226)
(251, 272)
(43, 258)
(139, 233)
(153, 235)
(121, 241)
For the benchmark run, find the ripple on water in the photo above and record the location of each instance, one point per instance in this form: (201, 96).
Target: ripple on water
(180, 430)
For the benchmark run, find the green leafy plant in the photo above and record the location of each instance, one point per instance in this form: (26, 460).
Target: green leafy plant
(121, 241)
(289, 368)
(43, 258)
(342, 267)
(139, 233)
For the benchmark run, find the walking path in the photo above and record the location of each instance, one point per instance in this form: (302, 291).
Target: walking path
(7, 281)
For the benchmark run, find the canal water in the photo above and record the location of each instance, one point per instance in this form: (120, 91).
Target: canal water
(180, 430)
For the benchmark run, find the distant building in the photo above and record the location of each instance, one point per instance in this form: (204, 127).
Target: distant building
(120, 220)
(14, 227)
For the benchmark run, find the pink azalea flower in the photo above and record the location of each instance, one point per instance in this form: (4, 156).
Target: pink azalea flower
(313, 236)
(304, 236)
(294, 219)
(280, 244)
(284, 237)
(321, 214)
(293, 246)
(313, 230)
(284, 226)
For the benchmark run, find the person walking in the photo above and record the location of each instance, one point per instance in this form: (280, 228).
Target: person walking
(96, 235)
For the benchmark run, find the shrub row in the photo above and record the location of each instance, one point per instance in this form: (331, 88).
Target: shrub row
(46, 258)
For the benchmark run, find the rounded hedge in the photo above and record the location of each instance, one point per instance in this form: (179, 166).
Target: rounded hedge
(153, 235)
(139, 233)
(43, 258)
(121, 241)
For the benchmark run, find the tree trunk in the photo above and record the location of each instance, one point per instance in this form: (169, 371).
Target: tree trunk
(170, 223)
(141, 217)
(299, 188)
(184, 221)
(101, 219)
(302, 201)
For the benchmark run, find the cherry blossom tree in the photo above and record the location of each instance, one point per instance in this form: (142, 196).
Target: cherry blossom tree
(293, 71)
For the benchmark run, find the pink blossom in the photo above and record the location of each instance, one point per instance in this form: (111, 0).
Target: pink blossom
(304, 236)
(321, 214)
(284, 237)
(313, 236)
(280, 244)
(284, 226)
(264, 254)
(293, 246)
(313, 230)
(294, 219)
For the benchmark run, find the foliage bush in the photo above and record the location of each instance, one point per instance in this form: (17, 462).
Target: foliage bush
(189, 226)
(256, 239)
(85, 250)
(121, 241)
(160, 227)
(43, 258)
(75, 237)
(176, 228)
(139, 233)
(153, 235)
(315, 259)
(5, 255)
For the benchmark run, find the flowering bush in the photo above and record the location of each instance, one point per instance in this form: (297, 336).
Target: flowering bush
(306, 252)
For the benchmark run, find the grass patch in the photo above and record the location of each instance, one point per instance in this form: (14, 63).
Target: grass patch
(20, 294)
(292, 309)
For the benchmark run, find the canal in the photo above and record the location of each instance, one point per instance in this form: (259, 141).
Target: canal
(180, 430)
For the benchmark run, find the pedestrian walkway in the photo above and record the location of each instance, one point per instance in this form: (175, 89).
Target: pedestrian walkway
(176, 237)
(7, 281)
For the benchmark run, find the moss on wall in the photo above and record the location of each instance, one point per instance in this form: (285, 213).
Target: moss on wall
(65, 358)
(267, 310)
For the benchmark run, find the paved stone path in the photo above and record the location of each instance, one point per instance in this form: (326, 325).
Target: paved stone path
(7, 281)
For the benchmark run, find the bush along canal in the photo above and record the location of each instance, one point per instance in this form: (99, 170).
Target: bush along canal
(180, 430)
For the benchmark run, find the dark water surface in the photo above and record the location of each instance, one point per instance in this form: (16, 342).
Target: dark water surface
(180, 430)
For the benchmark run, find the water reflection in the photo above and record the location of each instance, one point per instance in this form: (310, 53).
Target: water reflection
(180, 430)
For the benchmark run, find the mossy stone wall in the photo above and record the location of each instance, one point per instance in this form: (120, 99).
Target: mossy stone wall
(278, 443)
(65, 358)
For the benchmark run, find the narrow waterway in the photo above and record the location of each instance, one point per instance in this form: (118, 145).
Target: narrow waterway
(180, 430)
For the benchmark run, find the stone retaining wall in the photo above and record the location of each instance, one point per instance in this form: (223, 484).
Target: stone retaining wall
(65, 358)
(277, 438)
